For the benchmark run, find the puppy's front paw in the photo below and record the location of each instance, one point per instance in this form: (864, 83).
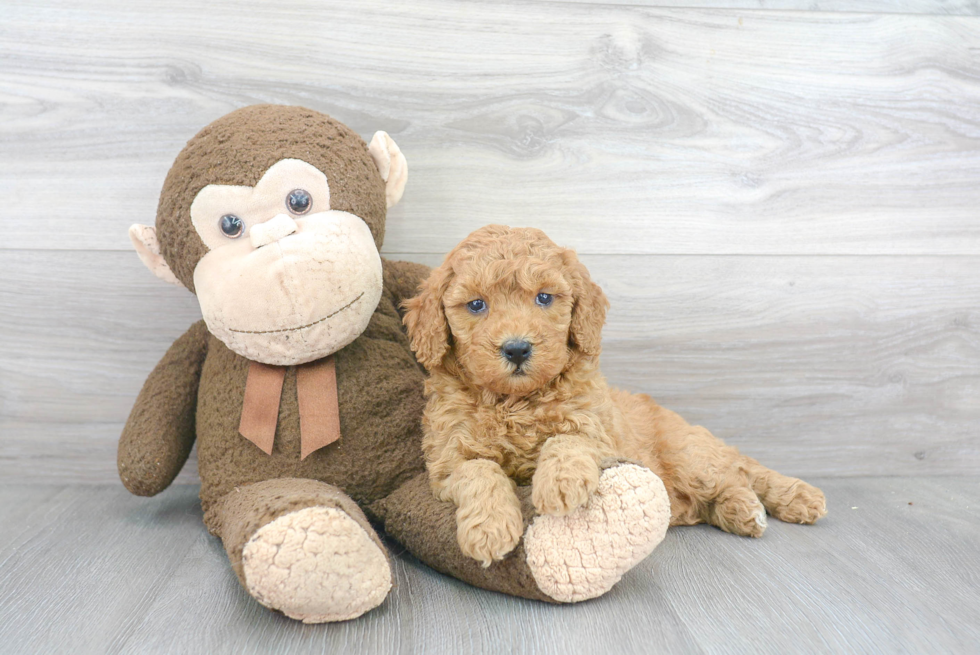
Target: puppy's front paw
(563, 484)
(489, 533)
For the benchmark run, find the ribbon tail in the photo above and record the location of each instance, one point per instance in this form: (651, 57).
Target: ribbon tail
(319, 408)
(260, 409)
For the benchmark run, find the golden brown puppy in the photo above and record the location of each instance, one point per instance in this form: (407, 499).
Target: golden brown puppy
(509, 328)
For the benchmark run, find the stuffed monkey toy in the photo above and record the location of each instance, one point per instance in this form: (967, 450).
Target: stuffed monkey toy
(300, 388)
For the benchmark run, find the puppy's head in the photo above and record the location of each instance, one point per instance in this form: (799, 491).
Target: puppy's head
(510, 307)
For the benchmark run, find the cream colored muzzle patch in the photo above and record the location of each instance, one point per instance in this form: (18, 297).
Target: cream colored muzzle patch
(271, 231)
(301, 297)
(259, 204)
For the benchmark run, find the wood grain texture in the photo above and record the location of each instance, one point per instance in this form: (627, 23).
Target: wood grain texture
(932, 7)
(617, 129)
(892, 569)
(815, 365)
(780, 201)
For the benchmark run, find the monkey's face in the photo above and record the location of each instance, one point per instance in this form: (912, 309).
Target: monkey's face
(286, 269)
(285, 278)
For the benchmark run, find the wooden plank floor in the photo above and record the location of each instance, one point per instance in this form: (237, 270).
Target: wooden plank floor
(894, 568)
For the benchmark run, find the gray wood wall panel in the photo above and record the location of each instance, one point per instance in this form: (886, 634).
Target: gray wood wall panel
(781, 204)
(937, 7)
(817, 365)
(620, 129)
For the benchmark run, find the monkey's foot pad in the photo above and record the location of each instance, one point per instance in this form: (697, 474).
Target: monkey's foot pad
(582, 555)
(316, 565)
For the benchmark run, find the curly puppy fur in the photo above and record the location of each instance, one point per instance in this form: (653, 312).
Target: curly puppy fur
(493, 420)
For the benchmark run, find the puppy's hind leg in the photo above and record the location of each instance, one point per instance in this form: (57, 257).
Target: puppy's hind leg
(706, 479)
(788, 499)
(737, 509)
(732, 491)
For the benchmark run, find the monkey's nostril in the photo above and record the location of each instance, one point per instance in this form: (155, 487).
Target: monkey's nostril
(516, 351)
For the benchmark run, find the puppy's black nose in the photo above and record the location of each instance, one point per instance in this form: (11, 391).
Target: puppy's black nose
(516, 351)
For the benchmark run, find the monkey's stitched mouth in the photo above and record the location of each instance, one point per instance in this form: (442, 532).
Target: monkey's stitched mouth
(300, 327)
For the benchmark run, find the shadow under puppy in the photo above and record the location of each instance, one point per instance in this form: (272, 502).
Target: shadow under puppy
(509, 327)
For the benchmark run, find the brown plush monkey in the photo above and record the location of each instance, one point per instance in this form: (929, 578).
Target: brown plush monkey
(299, 385)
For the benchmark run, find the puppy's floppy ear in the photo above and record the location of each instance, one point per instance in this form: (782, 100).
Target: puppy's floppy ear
(426, 319)
(589, 311)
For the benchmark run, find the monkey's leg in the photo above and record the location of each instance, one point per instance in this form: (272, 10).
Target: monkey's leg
(560, 558)
(302, 547)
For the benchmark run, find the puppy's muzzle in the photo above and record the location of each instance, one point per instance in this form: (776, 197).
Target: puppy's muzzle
(516, 351)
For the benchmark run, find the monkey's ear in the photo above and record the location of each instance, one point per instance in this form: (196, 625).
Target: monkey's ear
(144, 239)
(391, 164)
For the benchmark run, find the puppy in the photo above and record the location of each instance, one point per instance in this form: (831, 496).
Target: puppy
(509, 328)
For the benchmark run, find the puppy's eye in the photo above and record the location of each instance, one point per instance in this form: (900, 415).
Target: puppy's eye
(544, 299)
(231, 226)
(299, 201)
(476, 306)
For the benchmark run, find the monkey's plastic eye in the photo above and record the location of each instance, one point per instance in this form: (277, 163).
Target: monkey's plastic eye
(544, 299)
(231, 226)
(476, 306)
(299, 201)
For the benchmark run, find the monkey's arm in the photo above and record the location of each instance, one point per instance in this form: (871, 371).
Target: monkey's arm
(160, 431)
(403, 280)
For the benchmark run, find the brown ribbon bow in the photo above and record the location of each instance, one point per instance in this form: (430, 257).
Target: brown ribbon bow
(316, 391)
